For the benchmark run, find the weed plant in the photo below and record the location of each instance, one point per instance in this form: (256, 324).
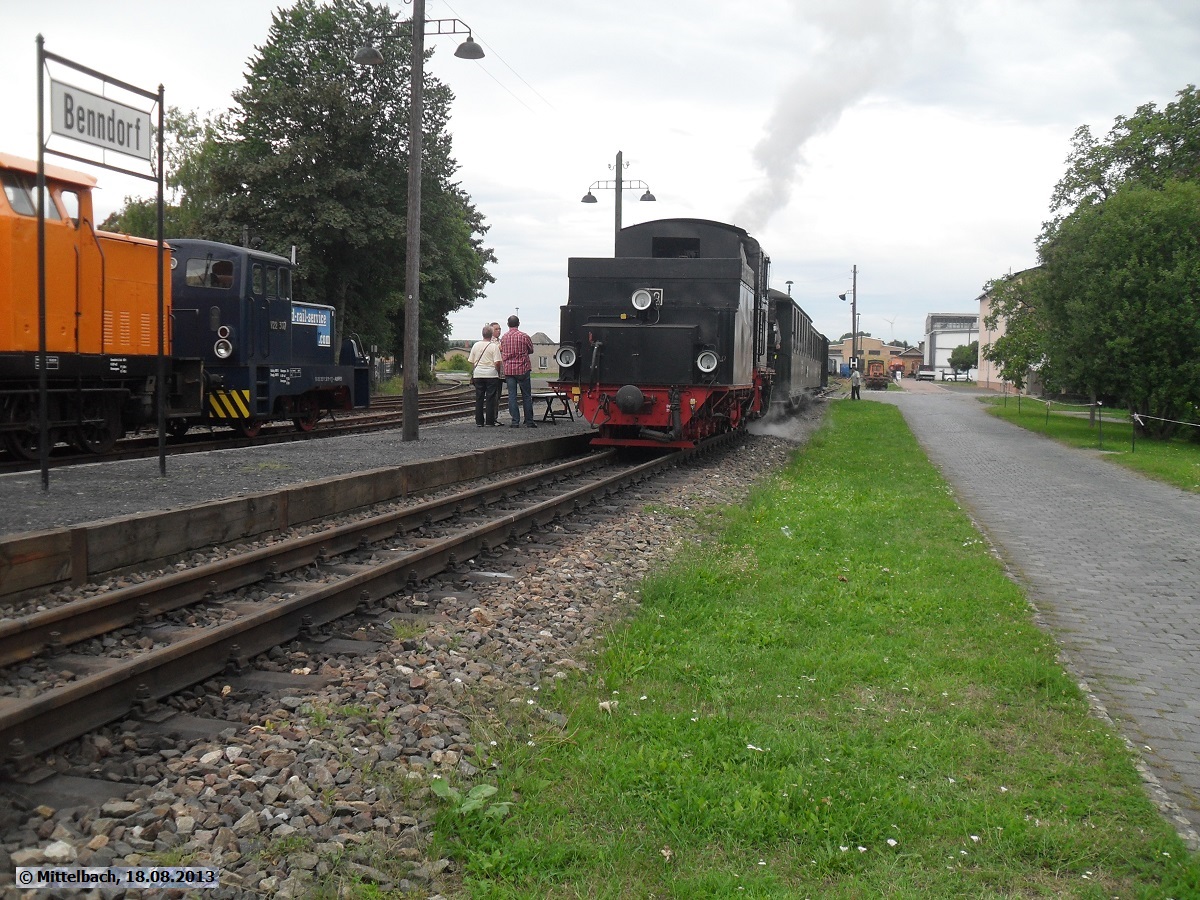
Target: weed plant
(839, 695)
(1175, 461)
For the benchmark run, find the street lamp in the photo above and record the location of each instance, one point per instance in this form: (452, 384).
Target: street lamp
(619, 185)
(370, 56)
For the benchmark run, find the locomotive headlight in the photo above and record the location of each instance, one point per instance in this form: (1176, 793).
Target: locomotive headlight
(224, 332)
(644, 298)
(566, 357)
(223, 348)
(707, 361)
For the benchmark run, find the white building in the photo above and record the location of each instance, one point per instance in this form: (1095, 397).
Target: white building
(946, 331)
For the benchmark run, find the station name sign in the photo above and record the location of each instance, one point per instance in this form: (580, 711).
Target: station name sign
(99, 121)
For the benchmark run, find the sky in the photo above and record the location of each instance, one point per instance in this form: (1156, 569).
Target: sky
(916, 140)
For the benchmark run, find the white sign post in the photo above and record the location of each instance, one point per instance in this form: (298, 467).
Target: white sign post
(113, 127)
(98, 121)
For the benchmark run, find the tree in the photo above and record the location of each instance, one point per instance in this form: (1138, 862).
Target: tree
(1151, 147)
(1120, 295)
(313, 155)
(185, 140)
(964, 357)
(1022, 348)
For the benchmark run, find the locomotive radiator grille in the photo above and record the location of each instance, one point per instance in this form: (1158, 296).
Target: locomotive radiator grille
(229, 404)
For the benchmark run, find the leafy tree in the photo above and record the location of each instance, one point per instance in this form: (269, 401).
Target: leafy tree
(964, 357)
(314, 155)
(185, 140)
(1151, 147)
(1022, 348)
(1120, 294)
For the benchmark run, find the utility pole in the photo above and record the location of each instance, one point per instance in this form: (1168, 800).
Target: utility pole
(854, 313)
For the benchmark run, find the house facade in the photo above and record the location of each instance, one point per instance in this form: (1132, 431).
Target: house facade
(946, 331)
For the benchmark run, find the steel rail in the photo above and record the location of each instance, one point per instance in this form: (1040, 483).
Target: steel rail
(25, 637)
(62, 713)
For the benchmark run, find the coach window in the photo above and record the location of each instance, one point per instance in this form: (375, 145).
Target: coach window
(258, 281)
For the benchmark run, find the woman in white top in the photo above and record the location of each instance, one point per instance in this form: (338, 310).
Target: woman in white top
(484, 357)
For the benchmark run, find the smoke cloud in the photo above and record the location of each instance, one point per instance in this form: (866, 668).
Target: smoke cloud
(848, 47)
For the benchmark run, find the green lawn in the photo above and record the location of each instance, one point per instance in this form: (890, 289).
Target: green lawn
(839, 696)
(1176, 461)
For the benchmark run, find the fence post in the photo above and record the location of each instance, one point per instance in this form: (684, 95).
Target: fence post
(1100, 413)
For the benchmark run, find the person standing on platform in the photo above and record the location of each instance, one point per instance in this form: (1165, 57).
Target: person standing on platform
(495, 407)
(516, 347)
(485, 375)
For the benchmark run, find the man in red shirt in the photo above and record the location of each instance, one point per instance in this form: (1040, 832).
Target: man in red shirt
(516, 347)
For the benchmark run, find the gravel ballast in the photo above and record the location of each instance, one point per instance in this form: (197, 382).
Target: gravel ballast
(330, 784)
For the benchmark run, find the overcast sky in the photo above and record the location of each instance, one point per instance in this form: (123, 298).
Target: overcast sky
(916, 139)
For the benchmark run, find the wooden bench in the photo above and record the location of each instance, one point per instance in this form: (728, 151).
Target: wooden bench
(553, 413)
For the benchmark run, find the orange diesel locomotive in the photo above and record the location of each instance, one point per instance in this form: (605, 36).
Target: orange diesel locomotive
(101, 319)
(239, 350)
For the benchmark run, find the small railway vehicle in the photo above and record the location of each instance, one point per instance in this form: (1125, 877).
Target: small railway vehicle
(877, 377)
(678, 338)
(237, 350)
(266, 356)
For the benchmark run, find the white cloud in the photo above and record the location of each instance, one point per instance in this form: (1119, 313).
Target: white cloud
(918, 139)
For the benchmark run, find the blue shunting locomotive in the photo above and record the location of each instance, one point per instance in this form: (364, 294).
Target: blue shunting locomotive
(266, 356)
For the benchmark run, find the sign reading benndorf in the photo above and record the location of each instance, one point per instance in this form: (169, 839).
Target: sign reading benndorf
(99, 121)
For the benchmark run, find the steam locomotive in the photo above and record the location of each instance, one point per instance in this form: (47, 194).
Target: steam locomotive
(678, 337)
(238, 350)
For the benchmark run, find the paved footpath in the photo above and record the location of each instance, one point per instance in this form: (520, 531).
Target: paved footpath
(1110, 559)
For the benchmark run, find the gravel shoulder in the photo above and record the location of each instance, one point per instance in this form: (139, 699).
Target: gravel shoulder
(328, 785)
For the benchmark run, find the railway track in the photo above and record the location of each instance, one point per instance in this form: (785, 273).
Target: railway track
(75, 666)
(385, 412)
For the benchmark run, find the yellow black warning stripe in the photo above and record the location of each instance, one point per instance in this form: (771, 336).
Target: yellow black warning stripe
(229, 404)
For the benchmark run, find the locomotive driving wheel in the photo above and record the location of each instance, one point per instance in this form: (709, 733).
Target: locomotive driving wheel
(99, 423)
(24, 442)
(177, 428)
(249, 428)
(306, 414)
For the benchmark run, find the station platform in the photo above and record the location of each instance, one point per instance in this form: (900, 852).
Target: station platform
(106, 489)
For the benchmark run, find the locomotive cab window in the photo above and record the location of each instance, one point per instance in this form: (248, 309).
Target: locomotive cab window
(257, 280)
(70, 202)
(285, 284)
(675, 248)
(272, 281)
(209, 273)
(17, 193)
(19, 190)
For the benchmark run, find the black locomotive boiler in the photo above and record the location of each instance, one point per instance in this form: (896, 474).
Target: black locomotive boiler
(678, 337)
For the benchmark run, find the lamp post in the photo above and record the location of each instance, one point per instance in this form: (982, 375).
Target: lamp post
(853, 312)
(619, 185)
(370, 56)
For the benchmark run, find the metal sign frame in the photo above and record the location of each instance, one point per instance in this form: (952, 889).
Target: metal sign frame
(43, 57)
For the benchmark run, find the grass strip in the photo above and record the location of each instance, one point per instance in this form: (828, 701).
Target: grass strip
(839, 695)
(1175, 461)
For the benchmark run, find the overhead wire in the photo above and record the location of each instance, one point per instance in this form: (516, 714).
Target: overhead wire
(493, 52)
